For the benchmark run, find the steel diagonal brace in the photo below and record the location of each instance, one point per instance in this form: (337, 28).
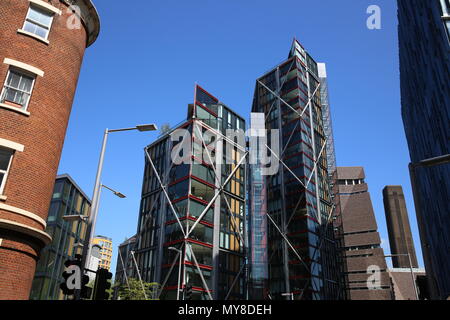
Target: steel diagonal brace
(316, 162)
(147, 216)
(207, 151)
(124, 270)
(295, 209)
(218, 192)
(293, 131)
(199, 271)
(287, 104)
(238, 231)
(139, 274)
(281, 87)
(320, 245)
(169, 273)
(290, 137)
(222, 136)
(284, 165)
(326, 226)
(234, 282)
(218, 182)
(289, 243)
(165, 191)
(228, 205)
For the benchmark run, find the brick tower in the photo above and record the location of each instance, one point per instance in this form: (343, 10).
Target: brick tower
(42, 44)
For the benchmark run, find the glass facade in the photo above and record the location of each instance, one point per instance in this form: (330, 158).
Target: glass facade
(214, 249)
(257, 217)
(299, 198)
(68, 238)
(425, 87)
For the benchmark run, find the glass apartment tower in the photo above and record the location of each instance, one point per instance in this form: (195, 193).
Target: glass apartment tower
(424, 27)
(196, 207)
(302, 250)
(68, 238)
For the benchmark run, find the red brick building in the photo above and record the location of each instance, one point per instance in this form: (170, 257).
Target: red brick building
(366, 270)
(42, 44)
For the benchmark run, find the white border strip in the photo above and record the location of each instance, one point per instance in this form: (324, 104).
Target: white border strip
(46, 6)
(24, 213)
(11, 225)
(30, 34)
(24, 66)
(11, 145)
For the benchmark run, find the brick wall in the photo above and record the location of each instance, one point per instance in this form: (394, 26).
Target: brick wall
(361, 238)
(32, 175)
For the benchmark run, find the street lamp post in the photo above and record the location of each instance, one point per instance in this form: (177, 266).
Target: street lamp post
(180, 253)
(410, 268)
(95, 199)
(91, 235)
(82, 218)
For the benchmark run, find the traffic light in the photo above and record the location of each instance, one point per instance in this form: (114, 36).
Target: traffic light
(72, 276)
(86, 292)
(102, 284)
(188, 292)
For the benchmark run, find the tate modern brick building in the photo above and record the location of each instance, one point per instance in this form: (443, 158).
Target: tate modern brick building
(42, 44)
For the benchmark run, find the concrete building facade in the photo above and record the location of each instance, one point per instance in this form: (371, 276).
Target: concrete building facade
(106, 251)
(363, 252)
(42, 44)
(397, 221)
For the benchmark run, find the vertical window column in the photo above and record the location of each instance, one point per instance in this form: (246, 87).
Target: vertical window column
(7, 150)
(6, 156)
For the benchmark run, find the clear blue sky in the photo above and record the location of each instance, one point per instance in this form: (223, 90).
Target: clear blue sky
(149, 55)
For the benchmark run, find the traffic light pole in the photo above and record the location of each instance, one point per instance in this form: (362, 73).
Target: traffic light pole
(102, 284)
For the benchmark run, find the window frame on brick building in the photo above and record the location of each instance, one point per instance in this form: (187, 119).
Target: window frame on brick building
(4, 172)
(41, 11)
(22, 74)
(40, 8)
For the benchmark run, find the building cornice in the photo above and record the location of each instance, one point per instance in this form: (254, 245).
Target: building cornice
(24, 213)
(89, 17)
(24, 229)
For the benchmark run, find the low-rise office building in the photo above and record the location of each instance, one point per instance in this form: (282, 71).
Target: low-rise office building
(69, 237)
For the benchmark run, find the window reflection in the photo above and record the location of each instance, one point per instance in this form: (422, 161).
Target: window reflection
(202, 191)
